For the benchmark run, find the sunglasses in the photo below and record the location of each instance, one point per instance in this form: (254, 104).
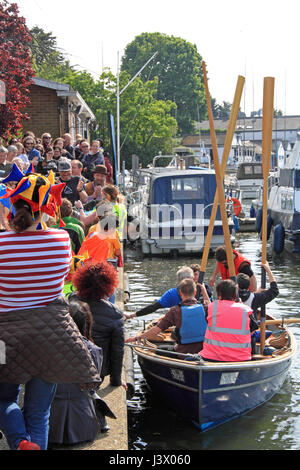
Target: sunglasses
(29, 143)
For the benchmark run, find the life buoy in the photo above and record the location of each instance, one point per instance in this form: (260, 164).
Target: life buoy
(237, 206)
(278, 238)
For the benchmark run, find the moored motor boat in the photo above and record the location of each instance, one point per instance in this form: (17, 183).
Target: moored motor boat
(171, 207)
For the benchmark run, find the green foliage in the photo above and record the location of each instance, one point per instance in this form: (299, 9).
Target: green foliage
(221, 111)
(178, 69)
(48, 61)
(147, 122)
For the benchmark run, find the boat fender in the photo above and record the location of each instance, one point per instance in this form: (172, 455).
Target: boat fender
(278, 238)
(236, 223)
(269, 227)
(237, 206)
(252, 213)
(258, 221)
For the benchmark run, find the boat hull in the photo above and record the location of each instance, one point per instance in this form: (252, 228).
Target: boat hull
(209, 395)
(182, 246)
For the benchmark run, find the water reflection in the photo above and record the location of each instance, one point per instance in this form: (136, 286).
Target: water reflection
(272, 426)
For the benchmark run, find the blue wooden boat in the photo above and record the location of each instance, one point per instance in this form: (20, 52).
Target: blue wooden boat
(210, 394)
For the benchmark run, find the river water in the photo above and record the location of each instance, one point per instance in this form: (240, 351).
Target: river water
(274, 425)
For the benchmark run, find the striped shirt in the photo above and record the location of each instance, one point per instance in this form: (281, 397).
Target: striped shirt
(33, 267)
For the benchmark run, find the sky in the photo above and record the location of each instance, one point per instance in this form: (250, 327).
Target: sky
(255, 39)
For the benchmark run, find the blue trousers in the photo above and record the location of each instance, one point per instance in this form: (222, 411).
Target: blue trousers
(31, 423)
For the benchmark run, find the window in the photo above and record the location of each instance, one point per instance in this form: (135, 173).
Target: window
(188, 188)
(248, 170)
(257, 170)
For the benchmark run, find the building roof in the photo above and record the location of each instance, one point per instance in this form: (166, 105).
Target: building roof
(255, 123)
(65, 90)
(193, 140)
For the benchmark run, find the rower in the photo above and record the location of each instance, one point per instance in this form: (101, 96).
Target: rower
(260, 298)
(228, 335)
(188, 317)
(172, 297)
(241, 264)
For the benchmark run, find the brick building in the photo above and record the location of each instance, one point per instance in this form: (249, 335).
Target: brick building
(57, 109)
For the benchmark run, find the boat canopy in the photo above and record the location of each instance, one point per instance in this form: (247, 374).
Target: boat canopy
(186, 188)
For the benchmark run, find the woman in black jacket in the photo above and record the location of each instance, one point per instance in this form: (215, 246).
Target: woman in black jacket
(94, 285)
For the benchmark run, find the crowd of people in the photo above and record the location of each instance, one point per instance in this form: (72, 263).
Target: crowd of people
(62, 224)
(87, 173)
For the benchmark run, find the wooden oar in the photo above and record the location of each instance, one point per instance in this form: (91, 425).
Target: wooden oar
(219, 179)
(227, 147)
(268, 113)
(283, 321)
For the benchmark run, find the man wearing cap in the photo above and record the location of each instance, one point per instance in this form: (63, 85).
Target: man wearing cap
(74, 190)
(94, 188)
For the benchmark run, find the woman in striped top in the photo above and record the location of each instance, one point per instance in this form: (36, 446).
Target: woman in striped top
(42, 344)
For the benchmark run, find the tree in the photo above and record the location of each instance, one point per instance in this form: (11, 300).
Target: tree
(221, 111)
(16, 68)
(49, 62)
(178, 68)
(147, 125)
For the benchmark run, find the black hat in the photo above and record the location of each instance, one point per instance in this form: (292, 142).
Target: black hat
(100, 169)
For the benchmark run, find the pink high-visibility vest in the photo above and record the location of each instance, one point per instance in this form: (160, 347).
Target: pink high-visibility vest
(228, 337)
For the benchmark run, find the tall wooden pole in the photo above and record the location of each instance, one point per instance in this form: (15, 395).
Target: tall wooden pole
(227, 147)
(219, 178)
(268, 113)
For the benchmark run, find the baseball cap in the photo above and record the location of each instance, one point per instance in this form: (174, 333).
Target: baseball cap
(64, 164)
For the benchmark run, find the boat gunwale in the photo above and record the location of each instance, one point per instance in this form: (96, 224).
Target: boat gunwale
(209, 366)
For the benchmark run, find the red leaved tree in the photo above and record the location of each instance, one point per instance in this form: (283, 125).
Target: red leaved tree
(15, 68)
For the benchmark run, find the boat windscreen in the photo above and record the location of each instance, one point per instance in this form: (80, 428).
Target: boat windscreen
(185, 189)
(250, 171)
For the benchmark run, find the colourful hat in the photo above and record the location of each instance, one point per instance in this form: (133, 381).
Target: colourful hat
(37, 190)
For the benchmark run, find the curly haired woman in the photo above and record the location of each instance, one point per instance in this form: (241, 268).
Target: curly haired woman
(94, 285)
